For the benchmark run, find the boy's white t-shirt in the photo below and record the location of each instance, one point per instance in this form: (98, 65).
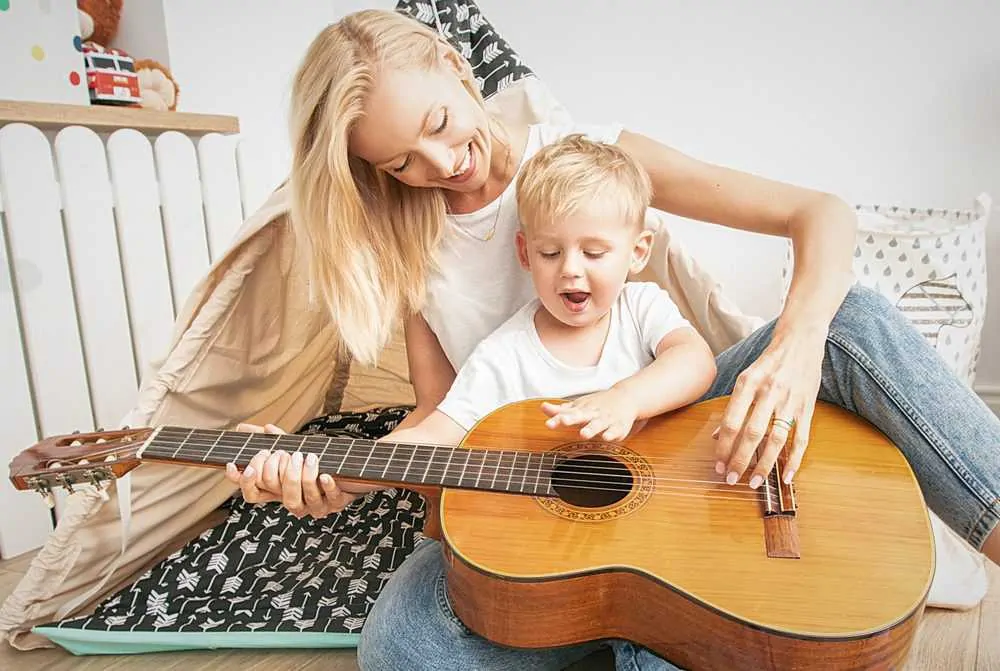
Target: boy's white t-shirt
(480, 284)
(512, 364)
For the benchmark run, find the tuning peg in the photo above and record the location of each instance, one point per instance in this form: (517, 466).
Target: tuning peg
(65, 482)
(46, 493)
(96, 481)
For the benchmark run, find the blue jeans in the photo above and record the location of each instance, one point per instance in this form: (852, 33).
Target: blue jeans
(876, 365)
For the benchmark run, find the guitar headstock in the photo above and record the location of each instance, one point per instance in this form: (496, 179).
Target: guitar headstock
(77, 459)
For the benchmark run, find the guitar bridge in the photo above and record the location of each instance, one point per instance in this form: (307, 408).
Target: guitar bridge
(781, 533)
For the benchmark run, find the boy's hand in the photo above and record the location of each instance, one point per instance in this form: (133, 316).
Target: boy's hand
(608, 414)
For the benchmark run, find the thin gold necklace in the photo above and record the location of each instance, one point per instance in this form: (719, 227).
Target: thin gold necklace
(496, 217)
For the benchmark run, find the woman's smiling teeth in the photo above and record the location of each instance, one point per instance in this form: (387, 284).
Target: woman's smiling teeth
(463, 169)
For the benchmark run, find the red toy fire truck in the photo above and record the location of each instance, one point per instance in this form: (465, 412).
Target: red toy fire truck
(111, 75)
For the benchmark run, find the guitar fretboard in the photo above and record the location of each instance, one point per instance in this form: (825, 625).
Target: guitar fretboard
(510, 471)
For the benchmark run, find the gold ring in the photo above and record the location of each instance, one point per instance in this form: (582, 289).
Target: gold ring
(787, 423)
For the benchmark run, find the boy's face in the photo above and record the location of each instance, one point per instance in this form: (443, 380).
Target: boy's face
(580, 264)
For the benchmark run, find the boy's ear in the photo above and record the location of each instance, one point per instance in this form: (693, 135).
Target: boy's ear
(522, 250)
(641, 251)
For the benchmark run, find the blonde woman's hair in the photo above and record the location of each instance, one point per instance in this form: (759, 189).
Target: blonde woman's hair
(368, 239)
(575, 172)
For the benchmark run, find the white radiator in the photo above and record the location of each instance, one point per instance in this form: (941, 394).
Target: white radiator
(102, 237)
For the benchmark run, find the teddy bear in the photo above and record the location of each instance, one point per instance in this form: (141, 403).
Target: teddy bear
(99, 20)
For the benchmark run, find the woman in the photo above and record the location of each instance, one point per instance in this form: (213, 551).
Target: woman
(395, 152)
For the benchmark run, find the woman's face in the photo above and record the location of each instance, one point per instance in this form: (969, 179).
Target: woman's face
(423, 128)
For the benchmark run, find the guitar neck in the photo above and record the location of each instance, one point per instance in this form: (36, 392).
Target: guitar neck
(508, 471)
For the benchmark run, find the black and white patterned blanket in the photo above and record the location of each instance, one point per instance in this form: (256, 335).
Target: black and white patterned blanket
(494, 63)
(263, 569)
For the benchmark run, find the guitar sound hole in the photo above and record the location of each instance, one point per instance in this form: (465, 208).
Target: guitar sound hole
(591, 481)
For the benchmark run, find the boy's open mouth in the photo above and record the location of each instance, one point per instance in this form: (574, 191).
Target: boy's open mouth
(575, 301)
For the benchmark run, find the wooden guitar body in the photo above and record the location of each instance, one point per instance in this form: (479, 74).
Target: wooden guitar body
(676, 560)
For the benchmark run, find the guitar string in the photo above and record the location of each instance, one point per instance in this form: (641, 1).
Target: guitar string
(216, 447)
(720, 492)
(524, 472)
(698, 495)
(530, 476)
(595, 466)
(195, 450)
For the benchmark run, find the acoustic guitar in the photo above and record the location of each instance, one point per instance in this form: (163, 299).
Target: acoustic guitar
(551, 539)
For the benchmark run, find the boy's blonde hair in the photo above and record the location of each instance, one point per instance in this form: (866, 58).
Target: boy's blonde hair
(368, 240)
(575, 172)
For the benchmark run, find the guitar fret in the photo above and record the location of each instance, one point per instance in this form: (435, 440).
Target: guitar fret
(389, 460)
(524, 476)
(340, 468)
(239, 454)
(361, 473)
(538, 474)
(447, 466)
(409, 463)
(468, 455)
(433, 452)
(436, 476)
(452, 475)
(551, 472)
(323, 453)
(396, 467)
(482, 462)
(179, 447)
(496, 470)
(211, 447)
(513, 473)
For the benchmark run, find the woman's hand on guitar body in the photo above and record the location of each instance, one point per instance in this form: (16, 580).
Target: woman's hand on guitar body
(783, 383)
(292, 479)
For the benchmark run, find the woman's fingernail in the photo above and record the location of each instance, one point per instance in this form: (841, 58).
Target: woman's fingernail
(310, 459)
(720, 467)
(756, 481)
(715, 434)
(788, 477)
(732, 478)
(296, 458)
(249, 472)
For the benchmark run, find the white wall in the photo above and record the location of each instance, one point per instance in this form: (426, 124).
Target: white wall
(896, 103)
(238, 57)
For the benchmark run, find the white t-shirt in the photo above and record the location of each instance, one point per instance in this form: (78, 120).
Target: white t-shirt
(512, 364)
(481, 284)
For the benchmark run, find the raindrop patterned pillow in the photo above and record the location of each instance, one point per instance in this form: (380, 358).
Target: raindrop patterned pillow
(931, 264)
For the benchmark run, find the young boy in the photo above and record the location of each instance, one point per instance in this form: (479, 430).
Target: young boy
(620, 349)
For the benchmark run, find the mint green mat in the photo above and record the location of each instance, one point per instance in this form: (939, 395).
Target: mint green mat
(90, 642)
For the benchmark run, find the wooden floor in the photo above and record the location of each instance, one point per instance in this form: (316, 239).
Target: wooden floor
(948, 641)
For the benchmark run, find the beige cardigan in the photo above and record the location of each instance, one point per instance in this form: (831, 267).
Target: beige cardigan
(248, 346)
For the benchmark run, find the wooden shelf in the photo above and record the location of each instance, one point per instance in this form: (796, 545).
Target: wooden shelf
(108, 118)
